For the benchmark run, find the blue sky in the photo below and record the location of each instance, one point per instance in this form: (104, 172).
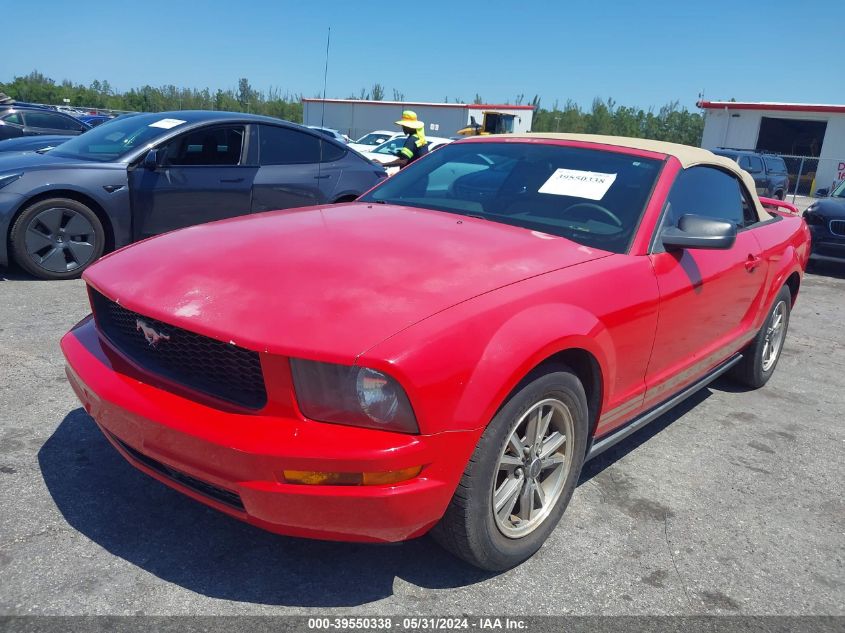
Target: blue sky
(639, 53)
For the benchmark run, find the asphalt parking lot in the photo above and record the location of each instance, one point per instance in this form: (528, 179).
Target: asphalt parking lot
(731, 504)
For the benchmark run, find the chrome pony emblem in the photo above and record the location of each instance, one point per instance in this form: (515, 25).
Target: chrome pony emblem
(153, 337)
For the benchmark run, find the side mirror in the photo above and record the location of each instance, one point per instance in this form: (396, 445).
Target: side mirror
(822, 193)
(695, 231)
(152, 160)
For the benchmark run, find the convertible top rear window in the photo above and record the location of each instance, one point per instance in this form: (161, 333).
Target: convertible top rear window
(593, 197)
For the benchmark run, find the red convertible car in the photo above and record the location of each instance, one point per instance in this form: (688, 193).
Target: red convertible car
(445, 353)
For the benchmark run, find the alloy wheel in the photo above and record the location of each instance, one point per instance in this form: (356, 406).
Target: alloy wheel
(533, 467)
(773, 341)
(60, 240)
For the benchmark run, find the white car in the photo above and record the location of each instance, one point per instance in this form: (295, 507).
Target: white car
(369, 142)
(386, 152)
(331, 133)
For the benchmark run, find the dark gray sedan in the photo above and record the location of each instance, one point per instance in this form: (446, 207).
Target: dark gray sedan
(151, 173)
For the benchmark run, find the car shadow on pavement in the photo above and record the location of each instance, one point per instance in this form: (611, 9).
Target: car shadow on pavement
(826, 269)
(183, 542)
(617, 452)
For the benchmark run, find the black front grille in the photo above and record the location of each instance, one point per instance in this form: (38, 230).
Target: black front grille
(837, 227)
(220, 370)
(227, 497)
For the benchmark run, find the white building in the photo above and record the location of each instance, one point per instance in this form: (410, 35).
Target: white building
(789, 129)
(357, 117)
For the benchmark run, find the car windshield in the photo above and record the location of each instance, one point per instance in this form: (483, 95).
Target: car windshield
(118, 137)
(390, 147)
(593, 197)
(839, 191)
(373, 139)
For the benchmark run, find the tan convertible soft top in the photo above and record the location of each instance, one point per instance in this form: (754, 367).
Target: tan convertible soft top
(687, 155)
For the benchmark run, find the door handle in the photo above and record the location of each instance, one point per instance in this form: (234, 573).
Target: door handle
(752, 262)
(231, 180)
(321, 177)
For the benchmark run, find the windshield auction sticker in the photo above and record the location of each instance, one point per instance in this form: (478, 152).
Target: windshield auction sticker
(591, 185)
(166, 124)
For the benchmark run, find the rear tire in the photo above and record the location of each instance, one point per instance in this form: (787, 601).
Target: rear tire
(761, 356)
(515, 489)
(57, 238)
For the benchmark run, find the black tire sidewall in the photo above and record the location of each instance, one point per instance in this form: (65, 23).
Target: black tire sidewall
(18, 237)
(500, 551)
(761, 377)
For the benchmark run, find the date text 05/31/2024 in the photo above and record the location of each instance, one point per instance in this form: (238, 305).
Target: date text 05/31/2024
(416, 623)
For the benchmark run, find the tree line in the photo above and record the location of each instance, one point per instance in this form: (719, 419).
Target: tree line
(670, 122)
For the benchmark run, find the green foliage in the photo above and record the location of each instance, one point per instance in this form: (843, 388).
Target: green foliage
(37, 88)
(670, 123)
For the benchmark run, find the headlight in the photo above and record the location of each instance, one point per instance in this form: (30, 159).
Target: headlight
(810, 216)
(358, 396)
(8, 179)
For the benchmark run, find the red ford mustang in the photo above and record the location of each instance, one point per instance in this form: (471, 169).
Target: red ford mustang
(445, 353)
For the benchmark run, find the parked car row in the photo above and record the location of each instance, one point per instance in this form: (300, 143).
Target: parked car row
(145, 174)
(17, 121)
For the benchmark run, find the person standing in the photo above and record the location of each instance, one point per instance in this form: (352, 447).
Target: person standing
(415, 144)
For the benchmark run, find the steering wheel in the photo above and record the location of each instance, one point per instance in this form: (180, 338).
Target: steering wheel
(592, 206)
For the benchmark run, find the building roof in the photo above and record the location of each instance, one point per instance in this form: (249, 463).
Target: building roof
(471, 106)
(770, 105)
(687, 155)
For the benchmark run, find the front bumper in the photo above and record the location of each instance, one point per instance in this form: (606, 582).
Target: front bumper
(234, 461)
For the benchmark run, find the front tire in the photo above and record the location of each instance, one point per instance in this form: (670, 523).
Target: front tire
(761, 356)
(521, 476)
(57, 238)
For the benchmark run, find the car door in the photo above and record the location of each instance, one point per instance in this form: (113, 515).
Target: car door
(203, 176)
(51, 123)
(11, 125)
(290, 173)
(708, 298)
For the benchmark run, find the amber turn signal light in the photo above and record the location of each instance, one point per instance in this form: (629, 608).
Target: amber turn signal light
(316, 478)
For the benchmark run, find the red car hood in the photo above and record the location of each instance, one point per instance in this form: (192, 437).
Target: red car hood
(324, 282)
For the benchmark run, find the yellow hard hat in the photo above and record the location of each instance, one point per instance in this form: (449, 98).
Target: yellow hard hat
(409, 119)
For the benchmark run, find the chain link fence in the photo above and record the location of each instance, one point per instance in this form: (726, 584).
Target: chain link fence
(809, 174)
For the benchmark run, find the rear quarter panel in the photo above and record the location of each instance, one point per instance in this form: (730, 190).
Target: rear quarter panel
(785, 245)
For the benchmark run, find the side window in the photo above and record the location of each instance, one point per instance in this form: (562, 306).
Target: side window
(286, 146)
(206, 147)
(749, 210)
(64, 123)
(45, 120)
(755, 165)
(708, 192)
(332, 152)
(13, 118)
(775, 164)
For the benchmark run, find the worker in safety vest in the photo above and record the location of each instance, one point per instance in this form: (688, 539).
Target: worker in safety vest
(415, 145)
